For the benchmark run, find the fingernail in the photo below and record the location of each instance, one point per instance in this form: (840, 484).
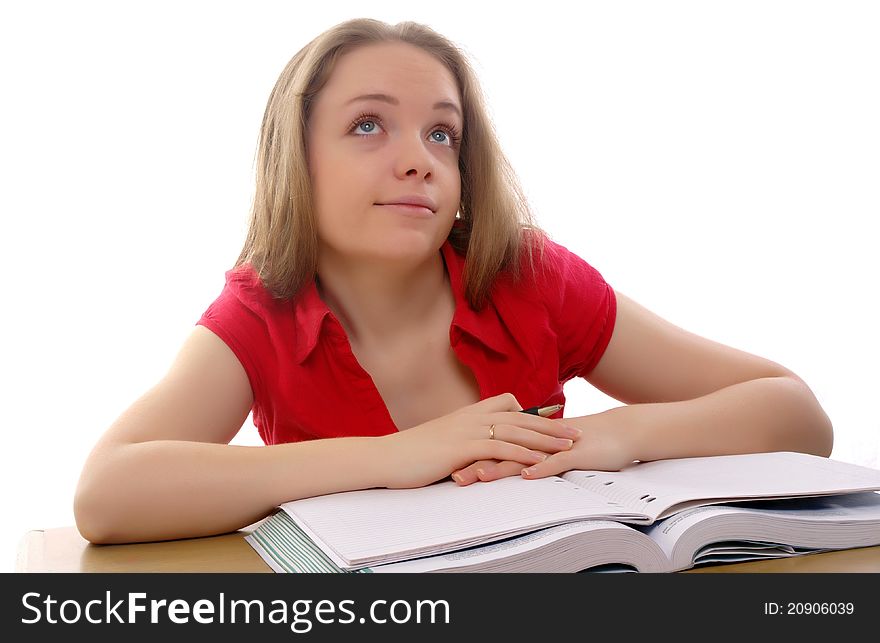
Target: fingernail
(541, 456)
(457, 477)
(527, 472)
(564, 442)
(572, 431)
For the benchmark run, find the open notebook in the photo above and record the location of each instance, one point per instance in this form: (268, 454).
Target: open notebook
(697, 536)
(371, 527)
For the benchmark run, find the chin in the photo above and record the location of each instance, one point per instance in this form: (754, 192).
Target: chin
(409, 246)
(398, 243)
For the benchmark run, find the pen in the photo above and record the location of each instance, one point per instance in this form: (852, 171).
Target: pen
(543, 411)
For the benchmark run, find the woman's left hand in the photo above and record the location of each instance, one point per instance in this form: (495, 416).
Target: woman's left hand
(604, 445)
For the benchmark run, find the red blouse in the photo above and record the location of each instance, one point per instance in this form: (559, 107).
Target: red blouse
(528, 340)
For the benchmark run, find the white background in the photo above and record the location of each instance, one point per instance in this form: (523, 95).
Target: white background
(716, 161)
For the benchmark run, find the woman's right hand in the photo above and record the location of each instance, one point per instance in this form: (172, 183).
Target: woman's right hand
(433, 450)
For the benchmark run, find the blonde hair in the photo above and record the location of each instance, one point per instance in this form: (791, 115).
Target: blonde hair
(282, 240)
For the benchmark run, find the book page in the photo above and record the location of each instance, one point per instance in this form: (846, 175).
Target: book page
(801, 524)
(375, 526)
(743, 552)
(566, 548)
(569, 547)
(663, 487)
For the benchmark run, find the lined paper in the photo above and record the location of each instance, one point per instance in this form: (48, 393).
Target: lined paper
(366, 528)
(802, 524)
(361, 528)
(663, 487)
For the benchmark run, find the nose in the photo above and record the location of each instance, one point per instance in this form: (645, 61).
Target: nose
(413, 158)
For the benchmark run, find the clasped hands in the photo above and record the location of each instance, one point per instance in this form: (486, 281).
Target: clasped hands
(459, 444)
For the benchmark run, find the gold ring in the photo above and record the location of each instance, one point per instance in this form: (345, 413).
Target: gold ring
(492, 432)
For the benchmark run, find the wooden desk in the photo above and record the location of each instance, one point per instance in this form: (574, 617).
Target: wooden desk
(64, 550)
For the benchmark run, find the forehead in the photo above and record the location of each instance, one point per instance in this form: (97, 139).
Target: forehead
(400, 69)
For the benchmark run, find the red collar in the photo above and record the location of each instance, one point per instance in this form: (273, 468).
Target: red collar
(310, 313)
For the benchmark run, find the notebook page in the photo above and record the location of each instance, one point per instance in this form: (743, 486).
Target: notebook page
(518, 553)
(845, 521)
(662, 487)
(360, 528)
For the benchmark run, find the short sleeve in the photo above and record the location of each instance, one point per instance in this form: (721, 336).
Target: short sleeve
(235, 317)
(582, 309)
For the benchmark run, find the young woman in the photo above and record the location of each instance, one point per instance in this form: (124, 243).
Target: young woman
(394, 309)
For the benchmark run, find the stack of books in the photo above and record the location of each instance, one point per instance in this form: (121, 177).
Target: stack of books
(662, 516)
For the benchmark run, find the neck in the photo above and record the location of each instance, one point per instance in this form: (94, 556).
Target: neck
(382, 304)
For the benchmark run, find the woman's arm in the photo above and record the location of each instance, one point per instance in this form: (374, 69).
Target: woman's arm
(686, 396)
(765, 414)
(168, 489)
(693, 396)
(165, 470)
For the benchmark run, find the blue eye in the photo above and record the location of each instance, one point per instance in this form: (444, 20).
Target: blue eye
(372, 121)
(366, 122)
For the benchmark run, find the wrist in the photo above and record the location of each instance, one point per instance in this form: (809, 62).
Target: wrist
(379, 458)
(620, 429)
(359, 462)
(629, 427)
(366, 453)
(657, 431)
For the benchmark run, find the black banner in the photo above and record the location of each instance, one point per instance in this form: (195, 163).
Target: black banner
(397, 607)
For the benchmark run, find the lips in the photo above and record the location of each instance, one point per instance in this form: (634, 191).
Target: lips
(413, 199)
(405, 209)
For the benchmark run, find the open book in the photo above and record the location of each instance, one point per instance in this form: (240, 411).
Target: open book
(701, 535)
(577, 520)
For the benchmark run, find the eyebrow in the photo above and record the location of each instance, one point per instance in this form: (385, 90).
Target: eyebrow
(385, 98)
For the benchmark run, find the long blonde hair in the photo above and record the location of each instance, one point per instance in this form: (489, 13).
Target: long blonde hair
(282, 240)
